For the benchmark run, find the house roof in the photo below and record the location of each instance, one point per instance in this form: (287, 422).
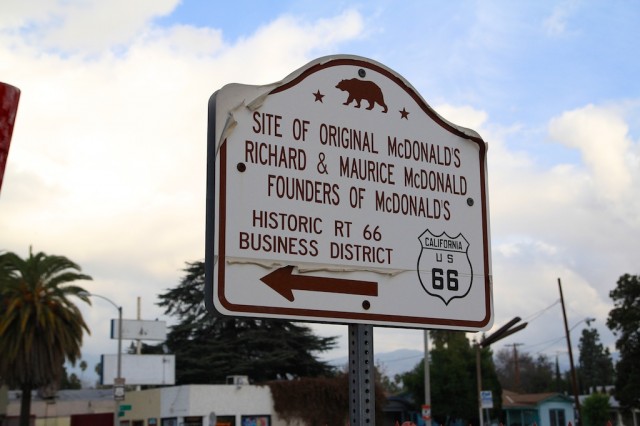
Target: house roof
(512, 399)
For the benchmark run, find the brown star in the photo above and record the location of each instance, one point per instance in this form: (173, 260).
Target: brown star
(404, 114)
(318, 96)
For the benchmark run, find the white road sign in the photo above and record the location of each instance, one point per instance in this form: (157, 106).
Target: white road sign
(139, 369)
(339, 195)
(486, 399)
(140, 329)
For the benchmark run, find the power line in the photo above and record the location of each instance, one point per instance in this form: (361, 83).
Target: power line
(536, 315)
(554, 342)
(386, 361)
(403, 359)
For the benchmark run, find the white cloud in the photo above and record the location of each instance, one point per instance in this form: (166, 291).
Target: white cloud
(556, 24)
(108, 157)
(601, 135)
(18, 14)
(465, 116)
(576, 222)
(81, 26)
(107, 163)
(515, 246)
(183, 41)
(286, 44)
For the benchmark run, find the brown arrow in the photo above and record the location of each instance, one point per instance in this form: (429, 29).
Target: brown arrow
(283, 281)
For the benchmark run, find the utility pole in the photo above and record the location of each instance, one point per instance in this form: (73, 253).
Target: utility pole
(506, 330)
(558, 377)
(574, 381)
(516, 365)
(119, 381)
(138, 341)
(427, 379)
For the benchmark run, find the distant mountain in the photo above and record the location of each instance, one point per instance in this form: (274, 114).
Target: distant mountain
(391, 363)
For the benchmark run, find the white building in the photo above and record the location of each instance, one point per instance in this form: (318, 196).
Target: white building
(201, 405)
(234, 404)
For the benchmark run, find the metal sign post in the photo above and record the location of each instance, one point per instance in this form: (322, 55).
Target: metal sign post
(362, 392)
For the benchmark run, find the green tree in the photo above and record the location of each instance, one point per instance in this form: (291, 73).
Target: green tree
(595, 409)
(98, 370)
(40, 327)
(624, 321)
(391, 385)
(520, 372)
(209, 348)
(70, 381)
(453, 378)
(560, 384)
(83, 367)
(596, 366)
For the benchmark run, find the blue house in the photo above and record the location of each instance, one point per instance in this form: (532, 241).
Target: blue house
(543, 409)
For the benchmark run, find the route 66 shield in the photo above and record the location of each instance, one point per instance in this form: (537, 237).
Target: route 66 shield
(444, 267)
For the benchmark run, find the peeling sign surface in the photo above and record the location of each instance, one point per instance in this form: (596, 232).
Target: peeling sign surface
(339, 195)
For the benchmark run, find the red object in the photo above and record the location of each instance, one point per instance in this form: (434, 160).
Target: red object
(9, 97)
(94, 419)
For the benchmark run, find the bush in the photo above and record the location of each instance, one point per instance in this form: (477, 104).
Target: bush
(595, 409)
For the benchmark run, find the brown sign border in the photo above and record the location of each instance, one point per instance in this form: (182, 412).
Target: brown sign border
(316, 314)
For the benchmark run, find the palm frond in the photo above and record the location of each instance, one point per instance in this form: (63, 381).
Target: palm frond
(40, 326)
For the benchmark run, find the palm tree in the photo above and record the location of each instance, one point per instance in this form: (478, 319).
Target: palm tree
(39, 326)
(83, 367)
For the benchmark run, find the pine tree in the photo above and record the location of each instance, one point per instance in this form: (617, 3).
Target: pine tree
(624, 321)
(210, 348)
(596, 366)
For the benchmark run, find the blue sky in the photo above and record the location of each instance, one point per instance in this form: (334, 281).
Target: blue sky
(107, 163)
